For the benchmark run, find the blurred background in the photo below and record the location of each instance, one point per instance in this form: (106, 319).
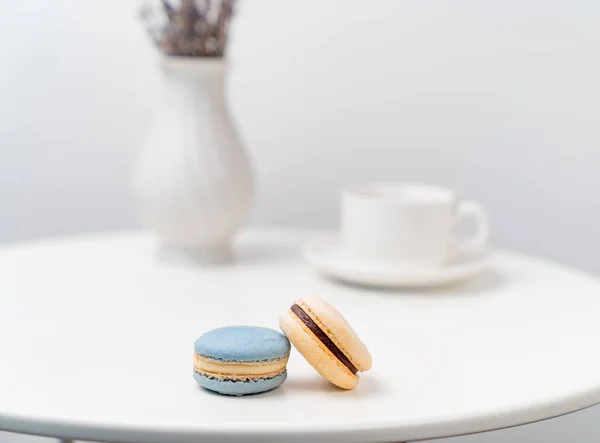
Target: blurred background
(498, 101)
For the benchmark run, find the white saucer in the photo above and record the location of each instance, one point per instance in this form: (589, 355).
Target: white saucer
(327, 256)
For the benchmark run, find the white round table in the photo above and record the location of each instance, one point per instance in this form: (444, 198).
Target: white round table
(97, 341)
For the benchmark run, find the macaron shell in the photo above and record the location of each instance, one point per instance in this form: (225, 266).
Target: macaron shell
(239, 388)
(315, 353)
(243, 344)
(338, 330)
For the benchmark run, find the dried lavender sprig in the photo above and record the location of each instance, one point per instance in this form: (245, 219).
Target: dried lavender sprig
(169, 11)
(188, 30)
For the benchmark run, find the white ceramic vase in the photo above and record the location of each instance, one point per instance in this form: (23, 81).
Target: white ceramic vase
(193, 184)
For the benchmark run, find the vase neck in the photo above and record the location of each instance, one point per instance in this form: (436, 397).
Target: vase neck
(207, 74)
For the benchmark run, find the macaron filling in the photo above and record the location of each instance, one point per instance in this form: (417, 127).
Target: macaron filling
(323, 337)
(238, 370)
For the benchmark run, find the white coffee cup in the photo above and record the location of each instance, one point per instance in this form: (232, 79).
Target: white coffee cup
(408, 224)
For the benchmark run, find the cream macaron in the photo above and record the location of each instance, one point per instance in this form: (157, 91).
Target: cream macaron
(326, 340)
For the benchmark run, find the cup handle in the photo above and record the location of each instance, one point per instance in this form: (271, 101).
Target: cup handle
(482, 227)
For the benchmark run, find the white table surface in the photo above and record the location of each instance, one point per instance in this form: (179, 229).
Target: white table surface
(97, 339)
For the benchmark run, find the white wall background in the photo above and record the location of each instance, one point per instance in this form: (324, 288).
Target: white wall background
(498, 100)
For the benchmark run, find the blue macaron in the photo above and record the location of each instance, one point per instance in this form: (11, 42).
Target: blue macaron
(241, 360)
